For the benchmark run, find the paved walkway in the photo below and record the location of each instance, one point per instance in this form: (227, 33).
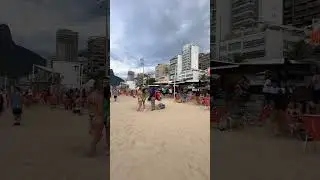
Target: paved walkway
(50, 145)
(169, 144)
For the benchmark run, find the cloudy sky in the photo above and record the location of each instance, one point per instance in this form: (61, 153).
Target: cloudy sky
(33, 23)
(155, 30)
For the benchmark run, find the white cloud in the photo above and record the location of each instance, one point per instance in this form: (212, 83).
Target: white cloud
(121, 68)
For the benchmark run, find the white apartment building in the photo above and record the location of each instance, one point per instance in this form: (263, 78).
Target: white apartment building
(242, 17)
(71, 73)
(189, 63)
(272, 42)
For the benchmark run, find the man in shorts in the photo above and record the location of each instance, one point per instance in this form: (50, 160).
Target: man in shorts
(16, 105)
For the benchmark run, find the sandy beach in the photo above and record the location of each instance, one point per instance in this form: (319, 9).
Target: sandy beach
(171, 144)
(253, 153)
(50, 145)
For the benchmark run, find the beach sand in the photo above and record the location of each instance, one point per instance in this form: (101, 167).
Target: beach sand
(254, 154)
(49, 145)
(168, 144)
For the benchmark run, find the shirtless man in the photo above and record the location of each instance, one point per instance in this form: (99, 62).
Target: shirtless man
(95, 101)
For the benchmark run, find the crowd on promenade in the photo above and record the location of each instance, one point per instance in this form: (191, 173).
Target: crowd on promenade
(95, 100)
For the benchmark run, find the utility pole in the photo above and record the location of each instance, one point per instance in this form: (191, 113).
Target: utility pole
(174, 82)
(142, 64)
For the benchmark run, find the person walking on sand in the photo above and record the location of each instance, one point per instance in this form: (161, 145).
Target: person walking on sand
(140, 98)
(115, 93)
(144, 98)
(16, 105)
(95, 101)
(152, 97)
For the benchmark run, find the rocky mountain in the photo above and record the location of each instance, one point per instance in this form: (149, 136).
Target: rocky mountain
(114, 80)
(15, 60)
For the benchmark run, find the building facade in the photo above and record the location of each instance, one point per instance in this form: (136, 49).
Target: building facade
(97, 60)
(190, 63)
(130, 76)
(300, 13)
(162, 72)
(204, 61)
(66, 45)
(71, 73)
(236, 18)
(272, 42)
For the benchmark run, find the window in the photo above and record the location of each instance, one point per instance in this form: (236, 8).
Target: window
(253, 43)
(234, 46)
(254, 54)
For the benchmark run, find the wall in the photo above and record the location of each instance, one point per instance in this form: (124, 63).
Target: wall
(70, 72)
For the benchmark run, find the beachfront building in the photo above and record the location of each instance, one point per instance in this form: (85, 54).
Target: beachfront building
(66, 45)
(300, 13)
(97, 50)
(261, 43)
(175, 67)
(189, 63)
(71, 73)
(204, 61)
(130, 76)
(237, 20)
(162, 72)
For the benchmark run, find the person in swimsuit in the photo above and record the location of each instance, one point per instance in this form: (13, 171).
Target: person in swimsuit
(140, 98)
(95, 101)
(16, 104)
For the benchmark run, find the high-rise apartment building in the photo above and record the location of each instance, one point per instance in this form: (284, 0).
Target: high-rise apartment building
(252, 28)
(97, 54)
(162, 72)
(130, 76)
(190, 57)
(299, 13)
(204, 61)
(66, 45)
(190, 63)
(213, 20)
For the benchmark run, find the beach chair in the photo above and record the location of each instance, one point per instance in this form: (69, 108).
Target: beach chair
(312, 126)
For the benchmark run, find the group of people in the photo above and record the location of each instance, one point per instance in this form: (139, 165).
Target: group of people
(96, 99)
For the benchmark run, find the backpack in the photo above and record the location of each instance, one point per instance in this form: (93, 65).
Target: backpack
(158, 96)
(161, 106)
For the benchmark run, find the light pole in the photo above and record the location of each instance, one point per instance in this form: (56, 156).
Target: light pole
(174, 82)
(142, 64)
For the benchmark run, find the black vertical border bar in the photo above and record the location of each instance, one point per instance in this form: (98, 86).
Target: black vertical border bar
(109, 78)
(212, 56)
